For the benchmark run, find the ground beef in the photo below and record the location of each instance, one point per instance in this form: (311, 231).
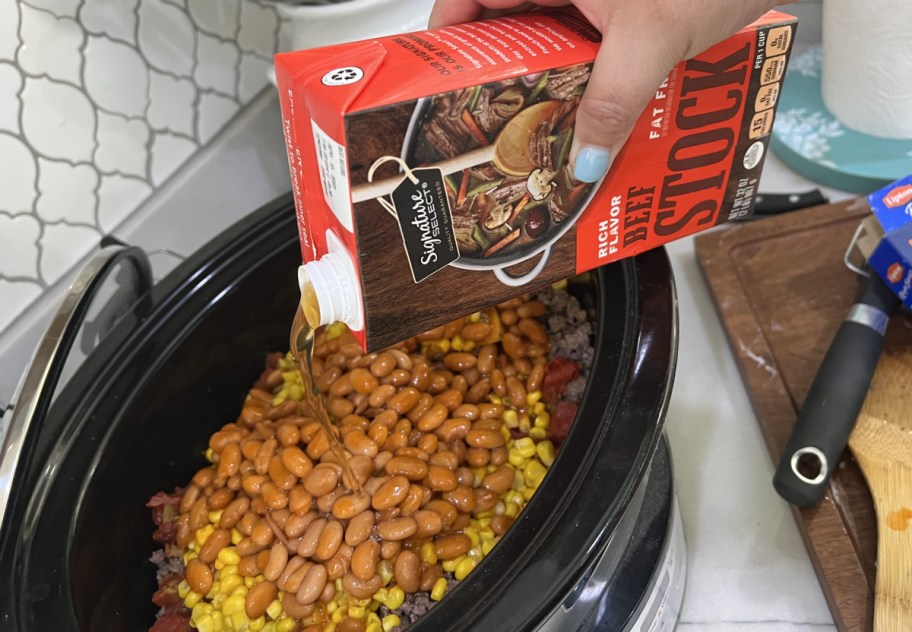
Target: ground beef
(570, 328)
(166, 566)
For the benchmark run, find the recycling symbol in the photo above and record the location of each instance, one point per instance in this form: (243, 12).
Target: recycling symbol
(343, 76)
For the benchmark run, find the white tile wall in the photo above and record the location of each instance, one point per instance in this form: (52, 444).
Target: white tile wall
(101, 101)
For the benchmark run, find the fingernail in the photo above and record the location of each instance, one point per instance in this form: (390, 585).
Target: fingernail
(591, 163)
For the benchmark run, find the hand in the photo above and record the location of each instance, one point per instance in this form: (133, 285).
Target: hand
(642, 41)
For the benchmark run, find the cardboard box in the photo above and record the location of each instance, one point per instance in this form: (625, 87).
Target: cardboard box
(434, 164)
(892, 258)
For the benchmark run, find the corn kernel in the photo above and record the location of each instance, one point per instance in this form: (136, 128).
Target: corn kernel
(270, 627)
(538, 433)
(439, 589)
(200, 610)
(233, 604)
(338, 615)
(385, 570)
(229, 555)
(473, 535)
(209, 455)
(538, 408)
(218, 564)
(214, 516)
(499, 508)
(391, 621)
(395, 599)
(429, 553)
(236, 536)
(511, 418)
(515, 458)
(258, 624)
(332, 606)
(275, 609)
(240, 620)
(534, 472)
(329, 626)
(545, 451)
(335, 330)
(248, 581)
(512, 510)
(474, 318)
(505, 433)
(543, 420)
(494, 399)
(192, 599)
(465, 567)
(519, 481)
(381, 595)
(450, 565)
(533, 397)
(206, 624)
(372, 616)
(373, 606)
(285, 625)
(484, 521)
(487, 546)
(486, 533)
(528, 493)
(373, 627)
(475, 554)
(183, 588)
(203, 533)
(231, 583)
(357, 612)
(559, 285)
(525, 446)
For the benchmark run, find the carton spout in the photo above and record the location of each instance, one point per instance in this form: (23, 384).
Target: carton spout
(329, 288)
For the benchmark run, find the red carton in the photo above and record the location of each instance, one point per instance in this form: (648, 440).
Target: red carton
(430, 169)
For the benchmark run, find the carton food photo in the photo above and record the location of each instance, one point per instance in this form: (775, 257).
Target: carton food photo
(431, 176)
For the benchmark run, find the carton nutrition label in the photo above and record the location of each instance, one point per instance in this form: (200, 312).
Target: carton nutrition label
(332, 163)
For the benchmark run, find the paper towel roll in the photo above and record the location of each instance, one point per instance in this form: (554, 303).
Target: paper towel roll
(866, 79)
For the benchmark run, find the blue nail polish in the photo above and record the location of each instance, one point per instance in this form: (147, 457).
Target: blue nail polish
(591, 163)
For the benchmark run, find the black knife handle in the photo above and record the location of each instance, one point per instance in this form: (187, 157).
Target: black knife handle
(775, 203)
(829, 412)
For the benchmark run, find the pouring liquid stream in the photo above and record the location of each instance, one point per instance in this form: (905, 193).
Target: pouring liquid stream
(302, 350)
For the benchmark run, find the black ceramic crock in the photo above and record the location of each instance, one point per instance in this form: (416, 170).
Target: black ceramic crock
(135, 418)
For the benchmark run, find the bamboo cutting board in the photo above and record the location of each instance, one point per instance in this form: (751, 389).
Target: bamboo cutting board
(882, 445)
(781, 291)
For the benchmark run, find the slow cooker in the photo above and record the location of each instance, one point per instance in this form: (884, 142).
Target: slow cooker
(599, 547)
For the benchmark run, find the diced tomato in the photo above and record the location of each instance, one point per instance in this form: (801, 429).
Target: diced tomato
(172, 623)
(166, 595)
(561, 420)
(558, 373)
(161, 498)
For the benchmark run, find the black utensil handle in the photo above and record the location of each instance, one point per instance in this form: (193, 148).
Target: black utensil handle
(775, 203)
(829, 412)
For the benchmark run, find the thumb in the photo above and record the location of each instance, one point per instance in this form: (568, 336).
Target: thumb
(631, 64)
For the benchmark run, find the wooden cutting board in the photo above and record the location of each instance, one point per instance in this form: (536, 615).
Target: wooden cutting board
(781, 291)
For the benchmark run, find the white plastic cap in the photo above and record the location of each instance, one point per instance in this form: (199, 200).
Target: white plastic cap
(335, 285)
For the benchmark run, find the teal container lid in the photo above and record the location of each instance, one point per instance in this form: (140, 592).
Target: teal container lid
(812, 142)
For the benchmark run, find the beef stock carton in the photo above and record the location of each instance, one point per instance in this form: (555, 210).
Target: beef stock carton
(430, 169)
(892, 257)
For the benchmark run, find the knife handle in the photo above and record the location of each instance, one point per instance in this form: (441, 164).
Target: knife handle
(829, 412)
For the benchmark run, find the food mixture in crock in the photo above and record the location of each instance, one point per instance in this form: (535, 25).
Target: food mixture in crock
(449, 434)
